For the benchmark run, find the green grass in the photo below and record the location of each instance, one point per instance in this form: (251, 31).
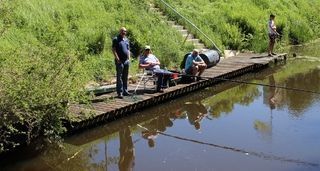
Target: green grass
(242, 24)
(49, 50)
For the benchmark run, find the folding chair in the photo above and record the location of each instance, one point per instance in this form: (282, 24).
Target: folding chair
(146, 77)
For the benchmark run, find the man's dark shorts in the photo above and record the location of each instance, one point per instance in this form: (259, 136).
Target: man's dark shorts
(189, 71)
(272, 37)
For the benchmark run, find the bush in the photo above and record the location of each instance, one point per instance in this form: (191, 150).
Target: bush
(49, 51)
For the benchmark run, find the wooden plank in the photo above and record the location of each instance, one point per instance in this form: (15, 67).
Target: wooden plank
(228, 67)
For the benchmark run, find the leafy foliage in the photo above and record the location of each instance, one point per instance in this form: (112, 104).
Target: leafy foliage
(50, 49)
(242, 24)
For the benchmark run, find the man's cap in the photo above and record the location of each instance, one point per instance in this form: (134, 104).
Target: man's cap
(147, 47)
(196, 50)
(123, 29)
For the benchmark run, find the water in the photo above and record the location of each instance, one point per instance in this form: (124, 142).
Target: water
(225, 127)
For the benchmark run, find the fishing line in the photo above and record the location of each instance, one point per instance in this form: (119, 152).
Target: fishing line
(257, 154)
(134, 96)
(252, 83)
(268, 85)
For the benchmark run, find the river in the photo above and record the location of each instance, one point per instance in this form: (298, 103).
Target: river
(230, 126)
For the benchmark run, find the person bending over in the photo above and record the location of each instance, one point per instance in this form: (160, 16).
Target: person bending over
(194, 64)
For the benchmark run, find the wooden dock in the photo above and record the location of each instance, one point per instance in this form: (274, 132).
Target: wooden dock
(107, 108)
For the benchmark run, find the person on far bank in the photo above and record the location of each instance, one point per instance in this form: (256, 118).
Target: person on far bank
(121, 52)
(194, 64)
(272, 31)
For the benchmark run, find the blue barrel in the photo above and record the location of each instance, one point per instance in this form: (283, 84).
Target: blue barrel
(210, 57)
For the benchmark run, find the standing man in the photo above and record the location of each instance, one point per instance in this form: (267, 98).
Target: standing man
(121, 51)
(272, 31)
(194, 64)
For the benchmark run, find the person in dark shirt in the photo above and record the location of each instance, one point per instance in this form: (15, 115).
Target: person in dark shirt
(121, 51)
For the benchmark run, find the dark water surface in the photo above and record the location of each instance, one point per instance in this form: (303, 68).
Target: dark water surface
(225, 127)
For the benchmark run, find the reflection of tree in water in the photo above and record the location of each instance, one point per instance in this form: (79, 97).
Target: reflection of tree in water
(224, 102)
(74, 158)
(298, 101)
(295, 101)
(81, 158)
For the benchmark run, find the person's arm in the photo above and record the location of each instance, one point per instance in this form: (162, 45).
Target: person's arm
(116, 57)
(186, 64)
(151, 62)
(129, 53)
(274, 28)
(157, 61)
(143, 63)
(200, 62)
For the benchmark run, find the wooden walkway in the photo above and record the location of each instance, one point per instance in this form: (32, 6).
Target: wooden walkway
(106, 107)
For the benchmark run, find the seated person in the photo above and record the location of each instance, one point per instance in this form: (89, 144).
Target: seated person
(194, 64)
(151, 63)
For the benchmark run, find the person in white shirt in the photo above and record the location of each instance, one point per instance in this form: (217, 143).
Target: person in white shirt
(151, 63)
(272, 31)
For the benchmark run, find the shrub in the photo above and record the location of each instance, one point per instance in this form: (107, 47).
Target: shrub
(49, 51)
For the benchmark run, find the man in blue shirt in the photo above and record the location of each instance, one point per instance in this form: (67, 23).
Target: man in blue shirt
(121, 52)
(194, 64)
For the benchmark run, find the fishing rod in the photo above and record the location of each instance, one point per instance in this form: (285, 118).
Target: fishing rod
(253, 153)
(252, 83)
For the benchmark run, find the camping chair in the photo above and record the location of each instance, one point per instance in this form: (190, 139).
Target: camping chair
(147, 77)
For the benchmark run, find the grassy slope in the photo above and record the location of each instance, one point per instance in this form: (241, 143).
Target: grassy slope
(86, 28)
(238, 24)
(50, 49)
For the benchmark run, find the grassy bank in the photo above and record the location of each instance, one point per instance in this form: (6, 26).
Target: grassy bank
(49, 50)
(242, 24)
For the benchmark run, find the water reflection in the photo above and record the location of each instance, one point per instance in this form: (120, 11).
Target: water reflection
(224, 103)
(247, 109)
(309, 81)
(126, 161)
(160, 123)
(295, 101)
(271, 97)
(196, 112)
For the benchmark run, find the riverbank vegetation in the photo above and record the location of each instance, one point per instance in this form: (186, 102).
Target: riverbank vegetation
(49, 50)
(240, 24)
